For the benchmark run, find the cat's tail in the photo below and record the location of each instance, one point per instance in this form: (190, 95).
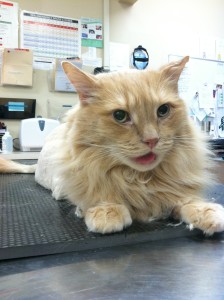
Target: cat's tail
(9, 166)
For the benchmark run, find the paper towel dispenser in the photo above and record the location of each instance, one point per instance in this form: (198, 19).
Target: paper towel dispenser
(34, 131)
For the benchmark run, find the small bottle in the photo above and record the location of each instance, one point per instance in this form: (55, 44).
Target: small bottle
(7, 143)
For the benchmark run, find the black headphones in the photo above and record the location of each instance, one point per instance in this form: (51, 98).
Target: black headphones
(144, 59)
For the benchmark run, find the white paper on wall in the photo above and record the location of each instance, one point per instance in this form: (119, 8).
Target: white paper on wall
(8, 24)
(119, 56)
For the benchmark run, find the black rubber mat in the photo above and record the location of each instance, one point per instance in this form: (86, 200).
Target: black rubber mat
(32, 223)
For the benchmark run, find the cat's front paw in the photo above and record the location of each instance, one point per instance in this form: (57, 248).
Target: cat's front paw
(107, 218)
(209, 217)
(213, 219)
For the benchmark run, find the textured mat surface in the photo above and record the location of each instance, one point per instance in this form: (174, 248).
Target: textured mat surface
(32, 223)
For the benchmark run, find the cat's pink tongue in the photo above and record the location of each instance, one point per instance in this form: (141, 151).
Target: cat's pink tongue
(145, 159)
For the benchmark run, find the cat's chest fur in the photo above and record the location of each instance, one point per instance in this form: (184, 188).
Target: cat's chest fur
(146, 194)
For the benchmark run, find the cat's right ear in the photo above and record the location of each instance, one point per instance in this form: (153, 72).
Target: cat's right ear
(172, 71)
(85, 84)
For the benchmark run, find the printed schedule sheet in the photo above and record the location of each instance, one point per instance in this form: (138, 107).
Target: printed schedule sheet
(50, 36)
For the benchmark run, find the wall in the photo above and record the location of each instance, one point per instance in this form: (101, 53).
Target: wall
(162, 26)
(40, 89)
(166, 26)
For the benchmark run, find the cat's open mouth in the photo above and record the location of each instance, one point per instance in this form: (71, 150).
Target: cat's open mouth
(145, 159)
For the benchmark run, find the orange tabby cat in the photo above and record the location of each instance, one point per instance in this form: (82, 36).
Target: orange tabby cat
(128, 151)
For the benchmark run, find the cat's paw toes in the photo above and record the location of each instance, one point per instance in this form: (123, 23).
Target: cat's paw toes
(211, 219)
(107, 218)
(78, 212)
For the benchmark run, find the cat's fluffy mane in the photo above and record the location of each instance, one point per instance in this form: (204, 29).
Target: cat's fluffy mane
(89, 166)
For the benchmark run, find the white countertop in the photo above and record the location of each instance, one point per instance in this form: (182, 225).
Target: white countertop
(21, 155)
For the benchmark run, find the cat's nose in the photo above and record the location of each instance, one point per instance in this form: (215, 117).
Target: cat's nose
(151, 142)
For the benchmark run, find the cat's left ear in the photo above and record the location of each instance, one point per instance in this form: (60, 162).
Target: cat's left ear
(173, 70)
(85, 84)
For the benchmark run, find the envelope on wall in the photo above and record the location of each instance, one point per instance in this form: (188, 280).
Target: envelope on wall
(60, 79)
(17, 67)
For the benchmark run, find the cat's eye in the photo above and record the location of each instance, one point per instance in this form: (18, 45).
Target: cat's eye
(163, 110)
(121, 116)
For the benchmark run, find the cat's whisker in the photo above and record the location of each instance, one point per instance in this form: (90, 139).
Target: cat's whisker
(183, 138)
(94, 145)
(122, 149)
(177, 138)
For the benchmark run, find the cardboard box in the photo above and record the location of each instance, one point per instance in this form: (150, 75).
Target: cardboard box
(17, 67)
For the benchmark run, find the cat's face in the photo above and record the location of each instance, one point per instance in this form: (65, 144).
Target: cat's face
(132, 116)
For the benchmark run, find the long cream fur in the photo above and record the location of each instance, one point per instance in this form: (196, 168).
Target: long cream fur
(90, 159)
